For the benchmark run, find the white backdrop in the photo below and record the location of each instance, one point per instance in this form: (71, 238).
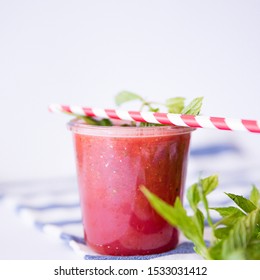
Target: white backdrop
(84, 52)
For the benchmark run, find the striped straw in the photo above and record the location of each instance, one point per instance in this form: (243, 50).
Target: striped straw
(162, 118)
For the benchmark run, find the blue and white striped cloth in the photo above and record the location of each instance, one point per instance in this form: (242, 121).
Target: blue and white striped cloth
(52, 206)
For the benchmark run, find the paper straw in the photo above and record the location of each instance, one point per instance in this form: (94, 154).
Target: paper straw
(162, 118)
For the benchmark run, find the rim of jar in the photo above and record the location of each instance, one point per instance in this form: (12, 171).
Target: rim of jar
(80, 127)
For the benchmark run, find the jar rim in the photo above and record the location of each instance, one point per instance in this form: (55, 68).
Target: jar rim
(80, 127)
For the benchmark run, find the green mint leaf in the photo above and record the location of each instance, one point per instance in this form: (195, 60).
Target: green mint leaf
(92, 121)
(215, 250)
(230, 215)
(255, 196)
(199, 219)
(177, 216)
(194, 107)
(105, 122)
(126, 96)
(253, 250)
(240, 236)
(88, 120)
(222, 232)
(244, 203)
(209, 184)
(227, 211)
(152, 109)
(235, 236)
(175, 105)
(149, 124)
(235, 254)
(193, 196)
(206, 186)
(163, 208)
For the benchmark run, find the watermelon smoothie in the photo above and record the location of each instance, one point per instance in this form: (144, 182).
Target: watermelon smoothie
(112, 162)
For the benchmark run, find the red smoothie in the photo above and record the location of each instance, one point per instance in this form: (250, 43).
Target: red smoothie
(112, 163)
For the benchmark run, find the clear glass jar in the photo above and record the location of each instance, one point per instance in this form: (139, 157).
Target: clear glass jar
(112, 162)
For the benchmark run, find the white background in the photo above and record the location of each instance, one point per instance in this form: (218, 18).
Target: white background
(84, 52)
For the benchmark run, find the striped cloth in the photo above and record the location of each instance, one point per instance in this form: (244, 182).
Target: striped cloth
(52, 205)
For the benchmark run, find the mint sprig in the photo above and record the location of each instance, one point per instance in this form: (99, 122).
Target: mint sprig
(194, 107)
(92, 121)
(126, 96)
(236, 235)
(174, 105)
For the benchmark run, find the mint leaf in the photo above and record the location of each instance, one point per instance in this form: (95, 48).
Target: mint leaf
(206, 186)
(199, 219)
(92, 121)
(240, 236)
(244, 203)
(194, 107)
(177, 216)
(235, 236)
(209, 184)
(227, 211)
(126, 96)
(222, 232)
(160, 206)
(253, 250)
(105, 122)
(230, 215)
(193, 196)
(215, 250)
(88, 120)
(255, 196)
(175, 105)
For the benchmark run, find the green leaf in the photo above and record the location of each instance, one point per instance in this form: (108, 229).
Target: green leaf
(152, 109)
(176, 215)
(193, 196)
(227, 211)
(244, 203)
(230, 215)
(89, 120)
(222, 232)
(215, 250)
(105, 122)
(240, 236)
(175, 105)
(209, 184)
(194, 107)
(143, 124)
(92, 121)
(235, 237)
(255, 195)
(199, 219)
(126, 96)
(253, 250)
(163, 208)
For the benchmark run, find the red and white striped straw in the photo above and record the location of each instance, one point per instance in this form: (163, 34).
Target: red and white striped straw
(162, 118)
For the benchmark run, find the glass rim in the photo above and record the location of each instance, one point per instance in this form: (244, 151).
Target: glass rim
(80, 127)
